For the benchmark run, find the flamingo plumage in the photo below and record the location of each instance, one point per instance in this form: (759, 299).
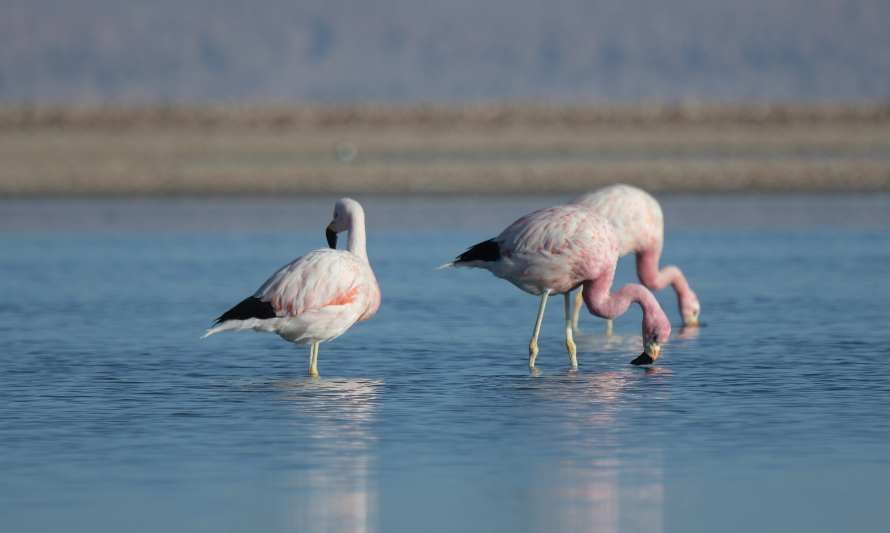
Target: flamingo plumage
(558, 249)
(316, 297)
(639, 225)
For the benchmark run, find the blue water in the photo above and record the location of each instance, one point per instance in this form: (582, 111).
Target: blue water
(114, 416)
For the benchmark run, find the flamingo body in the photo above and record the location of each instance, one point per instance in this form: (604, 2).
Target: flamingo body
(634, 213)
(639, 227)
(317, 297)
(555, 250)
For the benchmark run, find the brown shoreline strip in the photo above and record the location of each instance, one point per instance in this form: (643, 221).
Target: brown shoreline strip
(496, 149)
(432, 116)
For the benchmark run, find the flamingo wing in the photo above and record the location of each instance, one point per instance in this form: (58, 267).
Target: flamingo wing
(553, 231)
(318, 280)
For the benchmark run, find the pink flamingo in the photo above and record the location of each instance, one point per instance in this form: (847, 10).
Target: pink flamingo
(555, 250)
(639, 225)
(317, 297)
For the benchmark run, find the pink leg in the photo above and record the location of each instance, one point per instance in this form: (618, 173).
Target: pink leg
(655, 280)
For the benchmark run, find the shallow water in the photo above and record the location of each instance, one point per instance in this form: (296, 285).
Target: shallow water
(114, 416)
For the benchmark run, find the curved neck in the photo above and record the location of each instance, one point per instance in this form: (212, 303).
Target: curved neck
(677, 280)
(606, 305)
(655, 279)
(356, 243)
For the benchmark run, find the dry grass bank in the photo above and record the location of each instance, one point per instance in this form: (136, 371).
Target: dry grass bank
(484, 149)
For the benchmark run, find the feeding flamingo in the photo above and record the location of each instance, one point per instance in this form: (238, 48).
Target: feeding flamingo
(639, 226)
(317, 297)
(555, 250)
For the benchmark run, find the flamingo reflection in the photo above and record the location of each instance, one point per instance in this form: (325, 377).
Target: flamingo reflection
(602, 490)
(336, 491)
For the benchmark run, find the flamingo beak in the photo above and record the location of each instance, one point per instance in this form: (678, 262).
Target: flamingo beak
(690, 321)
(331, 236)
(651, 351)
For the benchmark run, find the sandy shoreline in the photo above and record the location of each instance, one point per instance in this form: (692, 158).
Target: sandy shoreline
(441, 150)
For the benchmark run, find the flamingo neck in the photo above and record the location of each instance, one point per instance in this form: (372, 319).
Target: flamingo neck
(671, 275)
(356, 243)
(613, 305)
(641, 295)
(655, 279)
(677, 280)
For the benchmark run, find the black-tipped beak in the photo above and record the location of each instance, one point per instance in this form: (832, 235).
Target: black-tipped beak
(331, 236)
(643, 359)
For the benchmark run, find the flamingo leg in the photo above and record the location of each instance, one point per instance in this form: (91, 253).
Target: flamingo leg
(570, 342)
(579, 301)
(533, 343)
(313, 360)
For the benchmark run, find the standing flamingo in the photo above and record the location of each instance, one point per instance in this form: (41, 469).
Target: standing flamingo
(317, 297)
(639, 225)
(555, 250)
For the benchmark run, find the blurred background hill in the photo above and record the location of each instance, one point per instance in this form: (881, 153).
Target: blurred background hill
(185, 51)
(459, 96)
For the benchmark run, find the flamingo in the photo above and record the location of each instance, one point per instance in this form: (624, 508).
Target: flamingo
(555, 250)
(639, 225)
(317, 297)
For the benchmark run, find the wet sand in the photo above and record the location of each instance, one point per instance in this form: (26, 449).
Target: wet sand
(441, 150)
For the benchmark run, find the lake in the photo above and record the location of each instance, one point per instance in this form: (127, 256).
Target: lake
(114, 416)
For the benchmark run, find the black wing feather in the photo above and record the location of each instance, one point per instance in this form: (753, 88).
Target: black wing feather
(484, 251)
(250, 307)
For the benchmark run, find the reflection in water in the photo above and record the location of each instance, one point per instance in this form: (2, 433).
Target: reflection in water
(617, 342)
(630, 343)
(114, 416)
(591, 498)
(336, 491)
(689, 332)
(606, 492)
(608, 496)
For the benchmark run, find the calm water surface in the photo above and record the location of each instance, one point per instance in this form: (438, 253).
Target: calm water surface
(114, 416)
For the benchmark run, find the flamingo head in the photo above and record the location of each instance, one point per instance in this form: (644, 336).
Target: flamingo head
(345, 209)
(690, 309)
(656, 330)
